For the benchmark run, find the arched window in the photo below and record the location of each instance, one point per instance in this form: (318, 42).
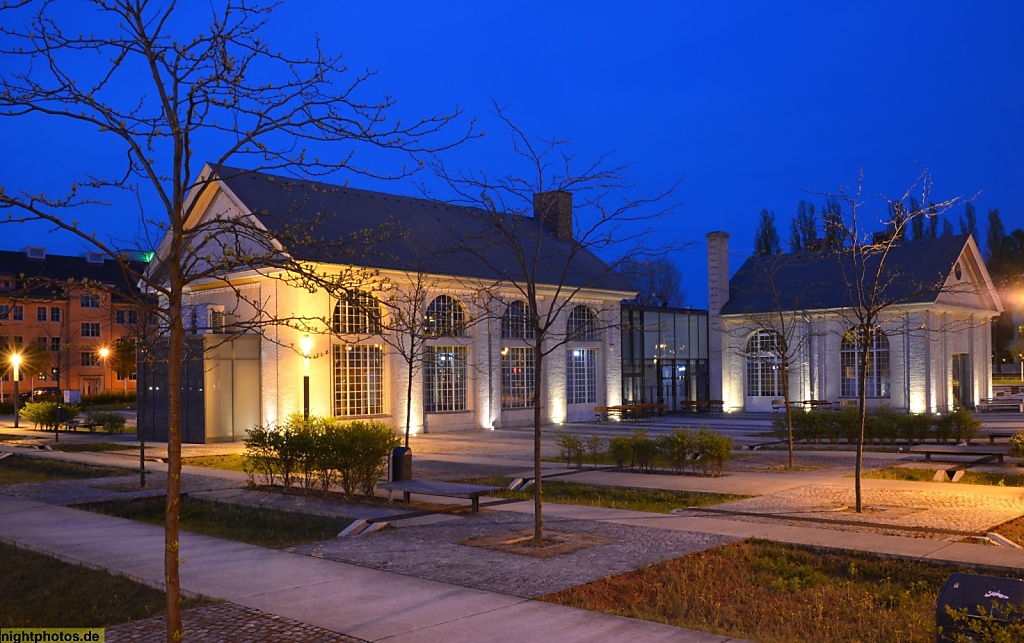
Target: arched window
(582, 324)
(764, 366)
(445, 318)
(516, 322)
(357, 314)
(877, 382)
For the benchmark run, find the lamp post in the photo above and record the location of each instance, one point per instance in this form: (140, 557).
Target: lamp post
(16, 363)
(104, 354)
(306, 344)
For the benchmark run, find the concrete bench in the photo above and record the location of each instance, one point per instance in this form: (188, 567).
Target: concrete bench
(992, 434)
(983, 453)
(1001, 404)
(438, 488)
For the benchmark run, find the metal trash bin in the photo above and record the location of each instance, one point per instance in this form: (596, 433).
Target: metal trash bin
(401, 464)
(968, 591)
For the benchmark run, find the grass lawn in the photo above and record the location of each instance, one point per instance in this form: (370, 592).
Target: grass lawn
(253, 525)
(39, 591)
(231, 462)
(651, 500)
(970, 477)
(776, 593)
(1014, 530)
(12, 437)
(19, 470)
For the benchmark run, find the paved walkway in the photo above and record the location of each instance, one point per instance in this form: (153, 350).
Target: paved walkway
(356, 601)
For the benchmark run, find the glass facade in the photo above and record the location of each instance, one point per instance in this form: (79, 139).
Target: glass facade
(664, 356)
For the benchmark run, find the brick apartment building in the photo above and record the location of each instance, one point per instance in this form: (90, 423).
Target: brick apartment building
(64, 315)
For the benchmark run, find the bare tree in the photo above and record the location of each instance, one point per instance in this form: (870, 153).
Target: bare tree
(873, 284)
(212, 86)
(780, 318)
(552, 263)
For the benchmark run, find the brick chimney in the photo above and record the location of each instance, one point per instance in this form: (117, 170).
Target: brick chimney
(553, 210)
(718, 295)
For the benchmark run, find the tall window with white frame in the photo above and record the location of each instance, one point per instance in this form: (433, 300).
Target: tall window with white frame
(581, 360)
(357, 360)
(878, 380)
(518, 374)
(445, 382)
(764, 366)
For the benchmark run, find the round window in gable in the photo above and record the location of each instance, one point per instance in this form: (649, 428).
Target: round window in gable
(957, 271)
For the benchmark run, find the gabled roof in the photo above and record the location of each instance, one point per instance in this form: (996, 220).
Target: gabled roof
(913, 272)
(430, 236)
(44, 278)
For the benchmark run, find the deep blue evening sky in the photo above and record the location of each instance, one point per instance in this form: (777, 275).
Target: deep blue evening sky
(751, 103)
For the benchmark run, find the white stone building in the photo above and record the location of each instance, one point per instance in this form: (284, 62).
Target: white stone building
(479, 373)
(933, 351)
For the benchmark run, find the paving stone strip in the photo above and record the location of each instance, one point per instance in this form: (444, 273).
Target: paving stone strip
(226, 623)
(75, 492)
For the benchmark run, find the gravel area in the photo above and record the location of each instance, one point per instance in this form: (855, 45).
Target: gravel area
(434, 552)
(226, 623)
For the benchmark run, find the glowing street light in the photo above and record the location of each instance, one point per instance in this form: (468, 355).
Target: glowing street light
(104, 354)
(16, 364)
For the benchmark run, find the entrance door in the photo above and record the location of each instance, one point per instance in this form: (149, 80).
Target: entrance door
(91, 385)
(961, 376)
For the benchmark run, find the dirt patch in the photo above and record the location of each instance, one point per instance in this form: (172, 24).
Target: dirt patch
(520, 541)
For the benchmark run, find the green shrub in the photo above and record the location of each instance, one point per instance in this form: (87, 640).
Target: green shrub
(620, 449)
(1017, 442)
(110, 421)
(678, 448)
(642, 448)
(958, 426)
(998, 623)
(319, 451)
(882, 425)
(595, 444)
(45, 415)
(713, 451)
(914, 428)
(570, 448)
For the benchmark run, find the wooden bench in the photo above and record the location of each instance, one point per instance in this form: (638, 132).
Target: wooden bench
(1005, 403)
(74, 425)
(983, 453)
(438, 488)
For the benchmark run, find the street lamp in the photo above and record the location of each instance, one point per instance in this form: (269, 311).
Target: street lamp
(15, 363)
(306, 344)
(104, 354)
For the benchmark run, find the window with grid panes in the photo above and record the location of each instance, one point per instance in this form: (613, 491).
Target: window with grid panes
(357, 315)
(764, 367)
(18, 313)
(41, 313)
(90, 358)
(90, 329)
(55, 344)
(877, 383)
(55, 313)
(445, 317)
(358, 380)
(516, 322)
(582, 324)
(444, 379)
(581, 376)
(517, 377)
(89, 300)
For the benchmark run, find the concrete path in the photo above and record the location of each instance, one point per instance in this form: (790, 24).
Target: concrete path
(364, 603)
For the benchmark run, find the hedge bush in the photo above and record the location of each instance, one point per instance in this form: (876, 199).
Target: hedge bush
(883, 425)
(110, 421)
(704, 451)
(44, 415)
(318, 452)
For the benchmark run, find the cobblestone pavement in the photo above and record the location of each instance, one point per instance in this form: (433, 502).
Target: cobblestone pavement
(942, 514)
(433, 552)
(226, 623)
(73, 492)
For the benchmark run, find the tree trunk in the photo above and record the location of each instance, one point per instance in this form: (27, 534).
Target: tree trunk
(862, 399)
(538, 510)
(408, 402)
(172, 577)
(789, 411)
